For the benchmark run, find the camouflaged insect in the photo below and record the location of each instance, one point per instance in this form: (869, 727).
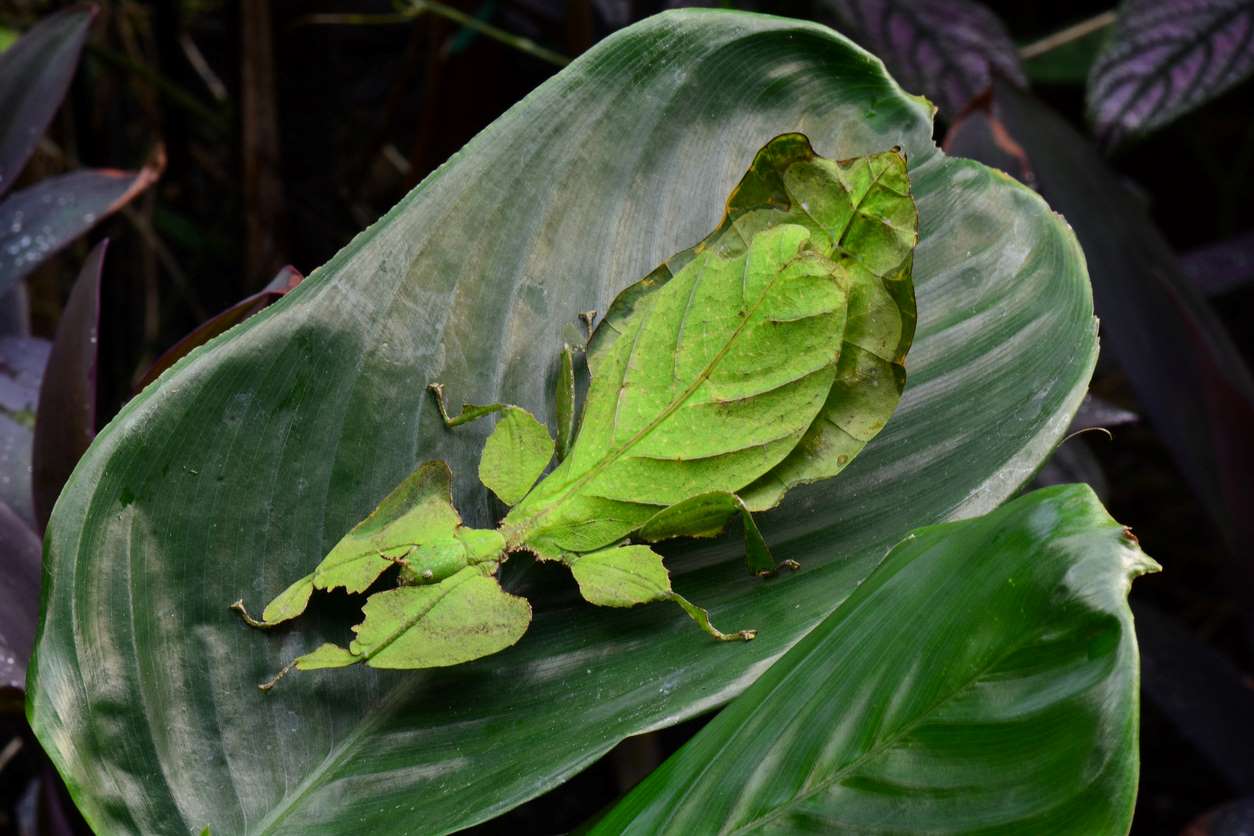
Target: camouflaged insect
(764, 357)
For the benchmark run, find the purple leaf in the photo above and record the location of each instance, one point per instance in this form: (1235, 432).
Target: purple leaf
(15, 469)
(286, 279)
(36, 222)
(1188, 376)
(1221, 268)
(34, 75)
(22, 361)
(19, 600)
(65, 422)
(1166, 58)
(944, 49)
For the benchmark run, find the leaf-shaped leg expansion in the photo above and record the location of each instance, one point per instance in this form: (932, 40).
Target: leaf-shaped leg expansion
(625, 576)
(415, 525)
(519, 448)
(461, 618)
(564, 400)
(706, 515)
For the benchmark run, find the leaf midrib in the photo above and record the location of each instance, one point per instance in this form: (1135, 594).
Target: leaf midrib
(885, 743)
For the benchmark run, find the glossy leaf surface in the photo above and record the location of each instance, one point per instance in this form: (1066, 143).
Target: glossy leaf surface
(1165, 58)
(22, 362)
(34, 75)
(286, 279)
(983, 678)
(19, 603)
(38, 221)
(947, 49)
(65, 421)
(257, 451)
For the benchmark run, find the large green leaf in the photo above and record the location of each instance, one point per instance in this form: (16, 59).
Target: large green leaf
(243, 464)
(983, 679)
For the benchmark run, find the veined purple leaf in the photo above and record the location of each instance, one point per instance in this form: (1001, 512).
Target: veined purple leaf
(65, 422)
(19, 601)
(1191, 380)
(283, 281)
(944, 49)
(36, 222)
(1165, 58)
(34, 75)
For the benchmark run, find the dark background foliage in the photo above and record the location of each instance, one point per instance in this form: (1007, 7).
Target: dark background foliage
(286, 127)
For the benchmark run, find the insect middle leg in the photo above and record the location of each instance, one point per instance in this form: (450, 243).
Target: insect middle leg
(706, 515)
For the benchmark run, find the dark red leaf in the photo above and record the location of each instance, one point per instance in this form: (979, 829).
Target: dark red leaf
(1192, 382)
(284, 280)
(36, 222)
(65, 422)
(19, 601)
(944, 49)
(1166, 58)
(34, 74)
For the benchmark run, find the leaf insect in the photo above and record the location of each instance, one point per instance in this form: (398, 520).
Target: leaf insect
(764, 357)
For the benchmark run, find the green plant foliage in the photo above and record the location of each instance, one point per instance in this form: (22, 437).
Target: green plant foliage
(984, 678)
(266, 445)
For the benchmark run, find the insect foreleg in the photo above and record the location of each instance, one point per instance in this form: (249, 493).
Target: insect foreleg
(565, 399)
(589, 321)
(470, 412)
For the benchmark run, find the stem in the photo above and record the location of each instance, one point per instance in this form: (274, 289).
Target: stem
(1066, 36)
(176, 94)
(411, 9)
